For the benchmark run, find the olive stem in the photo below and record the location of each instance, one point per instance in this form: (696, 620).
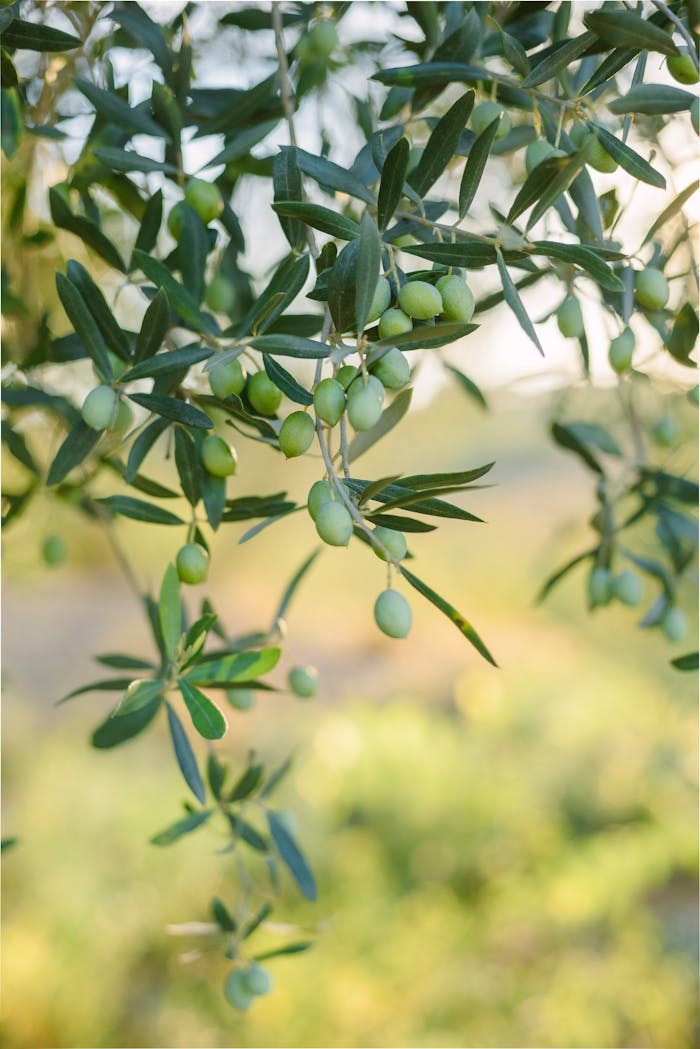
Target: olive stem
(344, 445)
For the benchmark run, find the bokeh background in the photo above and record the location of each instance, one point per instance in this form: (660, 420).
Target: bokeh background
(505, 857)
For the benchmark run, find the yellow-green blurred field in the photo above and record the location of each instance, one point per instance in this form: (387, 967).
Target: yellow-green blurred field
(505, 857)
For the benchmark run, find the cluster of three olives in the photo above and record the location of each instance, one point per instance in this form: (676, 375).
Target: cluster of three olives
(450, 298)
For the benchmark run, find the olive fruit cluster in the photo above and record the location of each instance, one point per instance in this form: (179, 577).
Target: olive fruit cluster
(604, 587)
(244, 985)
(450, 298)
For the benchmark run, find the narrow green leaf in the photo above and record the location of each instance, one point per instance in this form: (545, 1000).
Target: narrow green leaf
(567, 438)
(172, 361)
(467, 384)
(290, 948)
(652, 100)
(214, 497)
(241, 144)
(95, 301)
(442, 145)
(671, 211)
(558, 60)
(546, 183)
(293, 585)
(116, 730)
(184, 826)
(627, 29)
(236, 666)
(627, 158)
(170, 610)
(444, 480)
(342, 287)
(141, 447)
(425, 502)
(247, 783)
(8, 74)
(33, 36)
(206, 718)
(557, 576)
(187, 464)
(474, 168)
(392, 182)
(607, 69)
(139, 510)
(124, 662)
(114, 684)
(78, 443)
(686, 662)
(138, 695)
(291, 346)
(323, 219)
(179, 298)
(401, 523)
(154, 327)
(510, 294)
(192, 252)
(85, 325)
(117, 111)
(185, 756)
(462, 624)
(331, 175)
(150, 224)
(173, 408)
(291, 855)
(288, 186)
(286, 382)
(390, 417)
(430, 74)
(581, 256)
(127, 160)
(367, 266)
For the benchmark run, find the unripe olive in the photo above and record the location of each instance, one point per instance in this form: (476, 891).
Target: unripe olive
(241, 698)
(392, 613)
(392, 370)
(380, 300)
(329, 401)
(220, 295)
(296, 434)
(303, 681)
(100, 407)
(192, 563)
(365, 402)
(599, 587)
(578, 135)
(263, 395)
(174, 220)
(627, 587)
(682, 67)
(53, 550)
(394, 322)
(346, 374)
(457, 299)
(695, 114)
(674, 624)
(394, 542)
(257, 980)
(204, 198)
(323, 39)
(319, 493)
(665, 431)
(124, 419)
(651, 288)
(227, 378)
(485, 113)
(218, 458)
(570, 318)
(118, 366)
(693, 395)
(236, 990)
(420, 300)
(538, 151)
(621, 350)
(599, 158)
(406, 239)
(334, 524)
(414, 155)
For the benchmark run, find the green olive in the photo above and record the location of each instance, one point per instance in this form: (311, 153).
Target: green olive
(457, 299)
(257, 980)
(218, 458)
(392, 613)
(241, 698)
(192, 563)
(682, 67)
(599, 587)
(263, 395)
(674, 624)
(600, 159)
(485, 113)
(334, 524)
(651, 288)
(627, 587)
(303, 681)
(666, 431)
(380, 300)
(296, 434)
(53, 550)
(420, 300)
(394, 322)
(236, 990)
(329, 401)
(204, 198)
(100, 409)
(570, 318)
(392, 370)
(365, 402)
(621, 350)
(220, 295)
(319, 493)
(174, 220)
(227, 378)
(539, 151)
(394, 542)
(346, 374)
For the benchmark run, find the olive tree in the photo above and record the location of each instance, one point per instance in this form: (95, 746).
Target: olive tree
(375, 279)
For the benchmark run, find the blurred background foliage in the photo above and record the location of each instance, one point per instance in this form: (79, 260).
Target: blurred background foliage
(505, 857)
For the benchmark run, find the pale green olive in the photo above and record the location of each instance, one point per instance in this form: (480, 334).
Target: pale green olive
(334, 524)
(296, 434)
(394, 322)
(346, 374)
(392, 614)
(53, 550)
(682, 67)
(674, 624)
(365, 400)
(457, 300)
(227, 378)
(666, 431)
(420, 300)
(303, 681)
(263, 395)
(651, 288)
(392, 370)
(236, 990)
(329, 401)
(570, 318)
(218, 458)
(174, 220)
(220, 295)
(99, 409)
(257, 980)
(394, 543)
(319, 493)
(485, 113)
(192, 563)
(627, 587)
(621, 350)
(204, 198)
(380, 300)
(599, 587)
